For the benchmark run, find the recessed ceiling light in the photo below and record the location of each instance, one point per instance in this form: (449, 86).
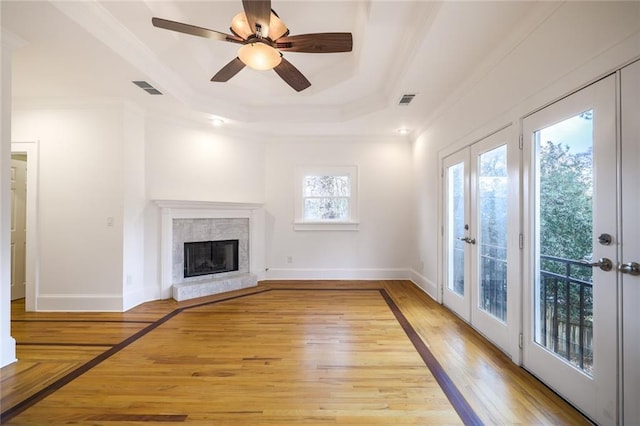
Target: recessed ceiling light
(217, 122)
(403, 131)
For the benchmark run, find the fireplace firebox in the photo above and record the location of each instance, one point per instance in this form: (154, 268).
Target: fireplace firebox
(210, 257)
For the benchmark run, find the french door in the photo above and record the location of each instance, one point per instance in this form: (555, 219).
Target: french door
(457, 240)
(480, 235)
(572, 232)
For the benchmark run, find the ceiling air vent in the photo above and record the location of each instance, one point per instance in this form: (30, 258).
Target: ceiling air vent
(406, 99)
(147, 87)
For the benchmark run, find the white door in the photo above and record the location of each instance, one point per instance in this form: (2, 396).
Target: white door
(456, 292)
(630, 241)
(571, 223)
(481, 226)
(495, 254)
(18, 225)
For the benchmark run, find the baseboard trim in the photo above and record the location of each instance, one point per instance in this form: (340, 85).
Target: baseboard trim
(8, 354)
(426, 285)
(338, 274)
(140, 296)
(79, 303)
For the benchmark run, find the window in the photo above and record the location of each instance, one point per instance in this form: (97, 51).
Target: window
(326, 198)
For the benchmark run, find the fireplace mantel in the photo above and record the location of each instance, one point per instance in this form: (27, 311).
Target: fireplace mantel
(205, 205)
(183, 209)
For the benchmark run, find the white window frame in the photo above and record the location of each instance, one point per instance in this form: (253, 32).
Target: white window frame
(352, 222)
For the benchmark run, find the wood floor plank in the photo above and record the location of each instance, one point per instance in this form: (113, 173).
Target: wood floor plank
(322, 352)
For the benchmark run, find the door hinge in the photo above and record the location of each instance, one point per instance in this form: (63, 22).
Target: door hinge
(521, 241)
(520, 341)
(442, 173)
(521, 142)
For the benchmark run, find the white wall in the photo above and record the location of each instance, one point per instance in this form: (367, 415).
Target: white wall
(135, 290)
(184, 162)
(81, 187)
(580, 42)
(382, 246)
(425, 177)
(191, 163)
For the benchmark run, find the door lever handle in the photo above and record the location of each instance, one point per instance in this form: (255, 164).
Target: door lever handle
(604, 264)
(467, 240)
(631, 268)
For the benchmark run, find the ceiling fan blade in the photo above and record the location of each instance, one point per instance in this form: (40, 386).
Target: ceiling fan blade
(193, 30)
(292, 76)
(229, 70)
(316, 43)
(258, 13)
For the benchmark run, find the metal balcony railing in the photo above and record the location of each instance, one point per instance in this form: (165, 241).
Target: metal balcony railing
(566, 310)
(493, 278)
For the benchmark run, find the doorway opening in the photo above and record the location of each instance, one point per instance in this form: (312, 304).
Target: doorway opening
(25, 156)
(18, 225)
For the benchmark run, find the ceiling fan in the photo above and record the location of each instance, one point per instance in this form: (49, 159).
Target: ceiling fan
(263, 37)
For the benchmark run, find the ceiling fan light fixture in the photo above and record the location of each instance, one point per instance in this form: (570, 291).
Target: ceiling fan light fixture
(259, 56)
(240, 26)
(277, 28)
(263, 36)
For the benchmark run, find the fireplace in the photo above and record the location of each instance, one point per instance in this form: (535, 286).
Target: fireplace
(184, 222)
(210, 257)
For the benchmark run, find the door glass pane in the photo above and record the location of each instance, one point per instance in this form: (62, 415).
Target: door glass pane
(492, 226)
(456, 227)
(564, 190)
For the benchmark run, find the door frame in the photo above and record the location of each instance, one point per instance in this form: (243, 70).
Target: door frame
(32, 276)
(629, 386)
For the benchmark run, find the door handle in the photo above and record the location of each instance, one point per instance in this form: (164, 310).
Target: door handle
(467, 240)
(631, 268)
(604, 264)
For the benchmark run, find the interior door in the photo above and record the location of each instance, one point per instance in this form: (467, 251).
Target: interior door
(18, 225)
(630, 241)
(457, 240)
(481, 209)
(570, 283)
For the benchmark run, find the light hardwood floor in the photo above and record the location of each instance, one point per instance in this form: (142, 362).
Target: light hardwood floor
(291, 352)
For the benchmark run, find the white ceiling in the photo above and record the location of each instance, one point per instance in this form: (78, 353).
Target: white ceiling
(437, 50)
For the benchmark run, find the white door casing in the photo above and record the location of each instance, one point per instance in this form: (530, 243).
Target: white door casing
(630, 241)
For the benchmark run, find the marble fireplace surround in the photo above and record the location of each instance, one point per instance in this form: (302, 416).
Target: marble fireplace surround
(182, 213)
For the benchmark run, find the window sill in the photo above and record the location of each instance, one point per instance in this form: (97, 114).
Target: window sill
(326, 226)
